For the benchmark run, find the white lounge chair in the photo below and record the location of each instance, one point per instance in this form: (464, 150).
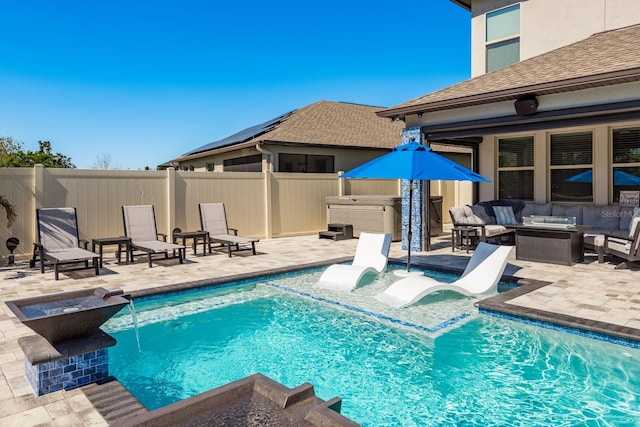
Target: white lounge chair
(140, 225)
(213, 219)
(482, 274)
(58, 240)
(371, 256)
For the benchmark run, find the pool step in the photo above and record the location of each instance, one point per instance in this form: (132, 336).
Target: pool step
(112, 400)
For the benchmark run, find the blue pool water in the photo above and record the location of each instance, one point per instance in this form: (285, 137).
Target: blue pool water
(438, 363)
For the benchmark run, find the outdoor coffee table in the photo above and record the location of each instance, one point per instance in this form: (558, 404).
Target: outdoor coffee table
(123, 242)
(550, 244)
(196, 236)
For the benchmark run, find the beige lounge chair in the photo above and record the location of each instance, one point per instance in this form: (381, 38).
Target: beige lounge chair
(58, 240)
(140, 225)
(213, 219)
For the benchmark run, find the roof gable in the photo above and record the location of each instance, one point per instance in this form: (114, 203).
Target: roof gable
(323, 123)
(606, 58)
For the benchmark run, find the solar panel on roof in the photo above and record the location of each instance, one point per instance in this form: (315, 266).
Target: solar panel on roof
(243, 135)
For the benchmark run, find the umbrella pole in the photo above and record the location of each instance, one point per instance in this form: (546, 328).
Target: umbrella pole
(409, 232)
(428, 215)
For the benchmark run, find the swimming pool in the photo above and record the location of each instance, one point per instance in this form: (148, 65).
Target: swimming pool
(438, 363)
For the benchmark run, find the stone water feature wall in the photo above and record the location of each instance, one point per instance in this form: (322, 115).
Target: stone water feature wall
(65, 366)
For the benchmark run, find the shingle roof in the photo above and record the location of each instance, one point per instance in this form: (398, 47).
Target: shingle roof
(321, 123)
(607, 58)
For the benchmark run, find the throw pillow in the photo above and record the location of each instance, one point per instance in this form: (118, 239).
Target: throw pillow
(504, 215)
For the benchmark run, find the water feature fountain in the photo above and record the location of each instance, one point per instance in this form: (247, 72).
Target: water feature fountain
(69, 349)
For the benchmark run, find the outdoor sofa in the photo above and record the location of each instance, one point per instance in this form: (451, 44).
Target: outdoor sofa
(613, 221)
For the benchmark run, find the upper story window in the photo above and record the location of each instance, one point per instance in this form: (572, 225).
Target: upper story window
(503, 37)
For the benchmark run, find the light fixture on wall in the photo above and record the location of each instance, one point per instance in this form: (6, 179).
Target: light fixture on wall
(420, 115)
(526, 105)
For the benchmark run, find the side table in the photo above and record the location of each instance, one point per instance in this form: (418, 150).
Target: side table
(464, 237)
(196, 236)
(123, 242)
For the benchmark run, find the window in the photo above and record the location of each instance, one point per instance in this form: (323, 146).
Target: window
(243, 164)
(626, 161)
(305, 163)
(571, 167)
(503, 37)
(515, 168)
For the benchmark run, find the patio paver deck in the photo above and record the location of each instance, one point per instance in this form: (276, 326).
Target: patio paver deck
(588, 291)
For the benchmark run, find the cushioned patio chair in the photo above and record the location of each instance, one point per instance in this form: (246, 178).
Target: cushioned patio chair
(475, 216)
(213, 219)
(626, 248)
(140, 226)
(58, 240)
(371, 256)
(482, 274)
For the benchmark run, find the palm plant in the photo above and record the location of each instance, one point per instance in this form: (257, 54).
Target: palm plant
(9, 209)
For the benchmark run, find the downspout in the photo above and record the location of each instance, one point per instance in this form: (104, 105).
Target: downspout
(269, 156)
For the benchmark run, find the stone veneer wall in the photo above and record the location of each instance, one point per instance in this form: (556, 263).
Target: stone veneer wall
(66, 365)
(67, 373)
(409, 135)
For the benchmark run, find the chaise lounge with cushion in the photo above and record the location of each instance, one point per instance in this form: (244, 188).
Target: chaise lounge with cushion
(58, 240)
(213, 219)
(140, 226)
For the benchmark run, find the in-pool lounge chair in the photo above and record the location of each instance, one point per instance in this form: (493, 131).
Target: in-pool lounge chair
(213, 219)
(481, 276)
(58, 240)
(371, 256)
(140, 226)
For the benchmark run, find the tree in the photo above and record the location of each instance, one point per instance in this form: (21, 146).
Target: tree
(12, 155)
(103, 161)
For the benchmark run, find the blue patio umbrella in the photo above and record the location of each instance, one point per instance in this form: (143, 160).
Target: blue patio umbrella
(414, 161)
(619, 178)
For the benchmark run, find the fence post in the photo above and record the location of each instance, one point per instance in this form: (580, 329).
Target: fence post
(268, 205)
(38, 197)
(171, 200)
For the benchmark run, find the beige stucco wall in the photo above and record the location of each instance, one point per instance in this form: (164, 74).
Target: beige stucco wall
(549, 24)
(602, 185)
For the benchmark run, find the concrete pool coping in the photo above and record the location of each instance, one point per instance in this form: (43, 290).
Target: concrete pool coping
(589, 291)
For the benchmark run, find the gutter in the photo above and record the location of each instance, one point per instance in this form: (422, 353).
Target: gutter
(269, 154)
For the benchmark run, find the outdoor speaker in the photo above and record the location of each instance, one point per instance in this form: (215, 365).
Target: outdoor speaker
(526, 106)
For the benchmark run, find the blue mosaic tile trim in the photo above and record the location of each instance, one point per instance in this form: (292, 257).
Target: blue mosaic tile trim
(575, 331)
(67, 373)
(368, 313)
(413, 134)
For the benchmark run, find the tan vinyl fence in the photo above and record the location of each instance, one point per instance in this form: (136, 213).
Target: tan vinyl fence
(258, 204)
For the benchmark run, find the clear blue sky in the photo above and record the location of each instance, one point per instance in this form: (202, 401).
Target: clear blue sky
(145, 81)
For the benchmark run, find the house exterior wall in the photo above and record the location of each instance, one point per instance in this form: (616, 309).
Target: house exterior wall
(487, 153)
(602, 166)
(546, 25)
